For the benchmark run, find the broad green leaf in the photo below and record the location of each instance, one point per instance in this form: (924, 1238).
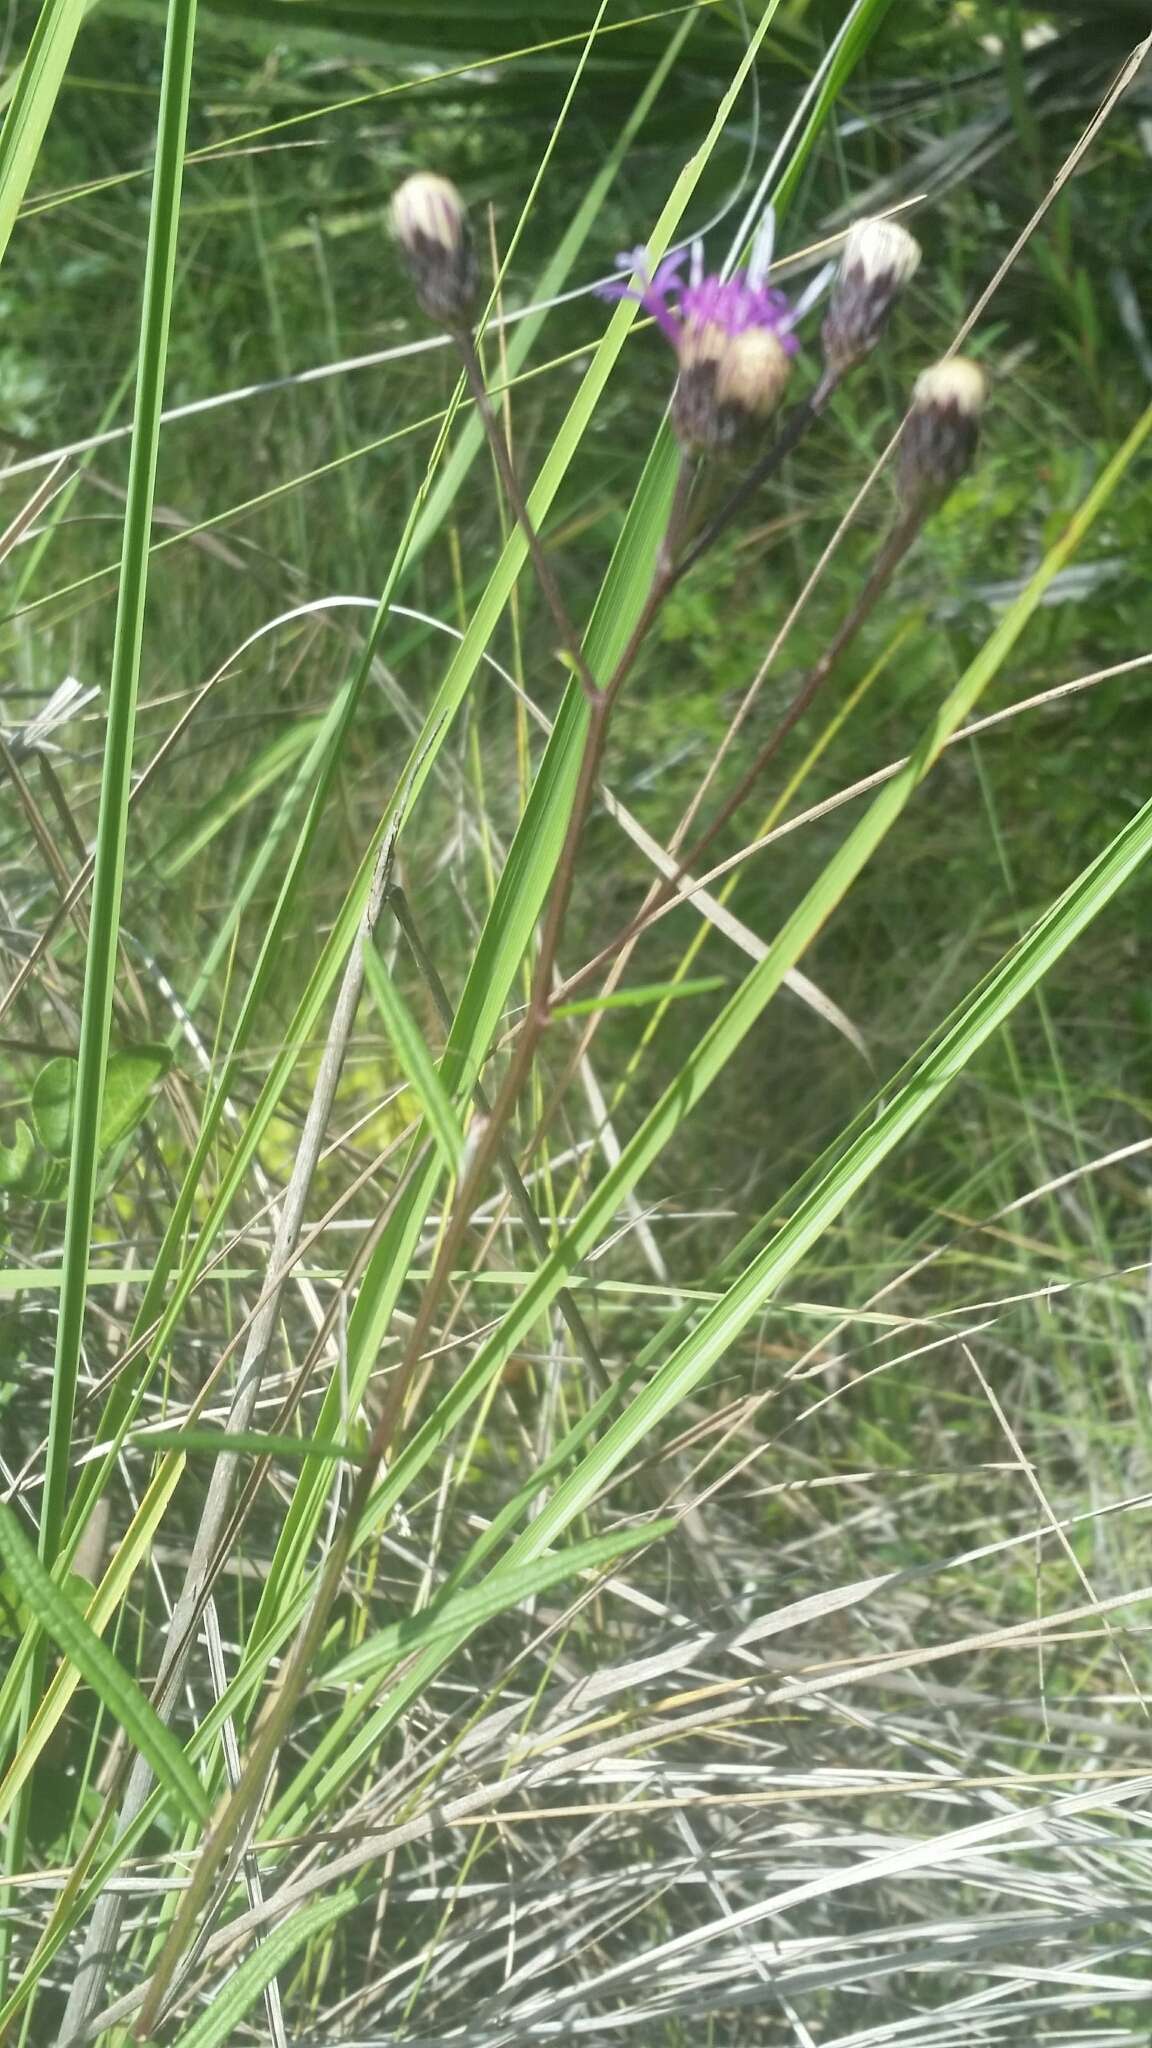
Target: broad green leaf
(132, 1075)
(53, 1102)
(17, 1160)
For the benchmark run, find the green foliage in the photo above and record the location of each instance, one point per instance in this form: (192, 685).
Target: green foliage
(34, 1592)
(34, 1164)
(755, 1567)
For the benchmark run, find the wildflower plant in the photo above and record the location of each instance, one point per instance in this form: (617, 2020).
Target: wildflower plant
(324, 1756)
(736, 338)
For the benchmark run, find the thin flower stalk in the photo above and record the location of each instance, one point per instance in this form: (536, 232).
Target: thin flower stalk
(938, 447)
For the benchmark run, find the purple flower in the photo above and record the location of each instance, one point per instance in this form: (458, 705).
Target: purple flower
(732, 304)
(733, 336)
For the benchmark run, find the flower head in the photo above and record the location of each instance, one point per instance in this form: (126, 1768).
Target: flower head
(733, 338)
(879, 259)
(430, 224)
(940, 435)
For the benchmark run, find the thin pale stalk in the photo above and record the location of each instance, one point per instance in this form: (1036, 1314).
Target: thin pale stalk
(88, 1983)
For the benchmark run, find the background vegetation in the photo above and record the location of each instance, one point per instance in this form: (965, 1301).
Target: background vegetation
(851, 1746)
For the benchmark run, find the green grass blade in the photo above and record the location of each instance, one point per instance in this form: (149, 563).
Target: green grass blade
(83, 1647)
(551, 280)
(103, 1605)
(407, 1042)
(509, 927)
(347, 1744)
(862, 22)
(240, 790)
(440, 1628)
(112, 825)
(1020, 973)
(243, 1988)
(463, 1612)
(33, 99)
(642, 996)
(731, 1027)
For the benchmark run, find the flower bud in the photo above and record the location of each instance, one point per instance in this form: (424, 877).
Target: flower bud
(702, 344)
(729, 384)
(880, 258)
(431, 226)
(752, 376)
(939, 441)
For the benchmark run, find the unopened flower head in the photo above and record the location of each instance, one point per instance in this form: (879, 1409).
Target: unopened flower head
(431, 226)
(880, 258)
(942, 430)
(733, 338)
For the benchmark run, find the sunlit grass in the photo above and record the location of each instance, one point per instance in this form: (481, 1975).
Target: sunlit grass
(744, 1638)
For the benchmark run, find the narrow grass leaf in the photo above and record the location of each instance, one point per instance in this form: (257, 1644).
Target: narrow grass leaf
(244, 1987)
(1019, 974)
(98, 1612)
(500, 1591)
(727, 1031)
(111, 830)
(83, 1647)
(642, 998)
(531, 860)
(34, 96)
(550, 282)
(996, 999)
(448, 1620)
(407, 1042)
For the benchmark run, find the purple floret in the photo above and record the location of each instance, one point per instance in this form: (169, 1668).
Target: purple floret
(732, 304)
(735, 305)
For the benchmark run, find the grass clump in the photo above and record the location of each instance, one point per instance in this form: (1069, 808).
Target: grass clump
(573, 1450)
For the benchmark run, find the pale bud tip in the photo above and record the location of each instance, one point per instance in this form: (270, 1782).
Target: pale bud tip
(881, 249)
(431, 226)
(427, 208)
(942, 430)
(957, 384)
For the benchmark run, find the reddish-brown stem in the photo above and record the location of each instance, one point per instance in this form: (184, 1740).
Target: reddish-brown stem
(498, 442)
(890, 556)
(802, 417)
